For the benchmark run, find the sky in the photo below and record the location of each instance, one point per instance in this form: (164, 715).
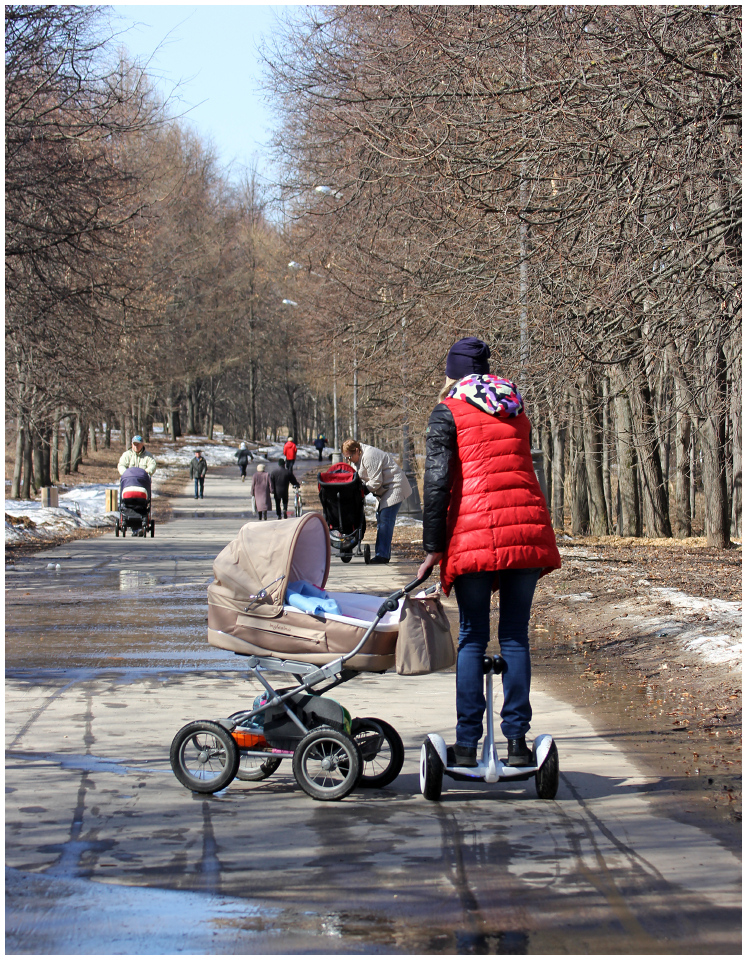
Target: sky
(211, 52)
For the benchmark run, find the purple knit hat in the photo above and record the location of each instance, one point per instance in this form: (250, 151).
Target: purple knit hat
(467, 356)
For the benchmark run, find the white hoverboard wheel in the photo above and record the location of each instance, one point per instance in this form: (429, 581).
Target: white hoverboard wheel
(547, 778)
(431, 772)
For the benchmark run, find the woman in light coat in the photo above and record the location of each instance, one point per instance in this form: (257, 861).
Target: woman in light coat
(385, 479)
(261, 492)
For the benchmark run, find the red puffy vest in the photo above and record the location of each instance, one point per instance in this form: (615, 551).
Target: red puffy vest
(498, 518)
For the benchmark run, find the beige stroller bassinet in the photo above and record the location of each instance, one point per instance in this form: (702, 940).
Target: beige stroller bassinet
(247, 612)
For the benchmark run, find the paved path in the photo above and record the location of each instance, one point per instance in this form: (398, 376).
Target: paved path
(107, 853)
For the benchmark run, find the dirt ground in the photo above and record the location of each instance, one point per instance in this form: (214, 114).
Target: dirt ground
(608, 641)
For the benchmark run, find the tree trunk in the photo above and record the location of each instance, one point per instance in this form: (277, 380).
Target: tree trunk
(76, 455)
(92, 436)
(713, 439)
(45, 478)
(557, 415)
(54, 453)
(252, 400)
(655, 494)
(629, 522)
(15, 487)
(67, 446)
(606, 449)
(27, 466)
(579, 495)
(589, 404)
(108, 431)
(682, 516)
(124, 428)
(547, 452)
(191, 427)
(736, 443)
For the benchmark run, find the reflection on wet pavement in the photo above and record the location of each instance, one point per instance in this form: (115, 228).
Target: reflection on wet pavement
(110, 615)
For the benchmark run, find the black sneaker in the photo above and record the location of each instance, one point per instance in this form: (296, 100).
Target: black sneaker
(379, 559)
(459, 756)
(519, 754)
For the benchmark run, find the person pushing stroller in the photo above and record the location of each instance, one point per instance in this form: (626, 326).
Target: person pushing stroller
(280, 479)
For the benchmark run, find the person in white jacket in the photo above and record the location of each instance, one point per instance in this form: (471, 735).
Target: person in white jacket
(385, 479)
(137, 456)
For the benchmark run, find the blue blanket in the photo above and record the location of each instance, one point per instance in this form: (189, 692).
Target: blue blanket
(305, 596)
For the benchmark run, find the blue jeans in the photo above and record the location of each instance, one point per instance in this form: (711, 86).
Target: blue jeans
(473, 592)
(199, 486)
(385, 518)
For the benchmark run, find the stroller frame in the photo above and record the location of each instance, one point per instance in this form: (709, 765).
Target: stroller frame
(328, 763)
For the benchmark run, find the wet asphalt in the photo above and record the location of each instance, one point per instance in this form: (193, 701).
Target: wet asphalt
(107, 657)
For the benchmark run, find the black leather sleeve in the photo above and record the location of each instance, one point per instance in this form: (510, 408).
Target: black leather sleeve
(440, 452)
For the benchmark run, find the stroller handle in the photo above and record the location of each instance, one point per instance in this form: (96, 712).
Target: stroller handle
(391, 601)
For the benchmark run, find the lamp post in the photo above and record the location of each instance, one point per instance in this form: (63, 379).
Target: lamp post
(411, 506)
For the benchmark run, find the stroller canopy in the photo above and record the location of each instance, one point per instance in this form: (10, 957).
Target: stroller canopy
(295, 549)
(135, 477)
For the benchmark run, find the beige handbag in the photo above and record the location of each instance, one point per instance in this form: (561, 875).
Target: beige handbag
(424, 643)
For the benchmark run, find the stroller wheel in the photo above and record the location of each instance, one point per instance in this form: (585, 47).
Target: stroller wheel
(252, 768)
(152, 527)
(116, 529)
(327, 764)
(382, 751)
(204, 756)
(367, 553)
(346, 557)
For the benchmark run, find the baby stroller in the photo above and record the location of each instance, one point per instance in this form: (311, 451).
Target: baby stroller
(249, 613)
(342, 495)
(134, 503)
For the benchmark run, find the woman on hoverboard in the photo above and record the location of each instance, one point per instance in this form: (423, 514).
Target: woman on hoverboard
(486, 522)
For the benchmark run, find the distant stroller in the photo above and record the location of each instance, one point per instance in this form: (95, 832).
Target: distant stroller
(134, 503)
(342, 497)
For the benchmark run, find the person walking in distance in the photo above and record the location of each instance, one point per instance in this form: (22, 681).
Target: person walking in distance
(485, 521)
(243, 456)
(197, 471)
(320, 443)
(384, 478)
(280, 479)
(289, 453)
(261, 492)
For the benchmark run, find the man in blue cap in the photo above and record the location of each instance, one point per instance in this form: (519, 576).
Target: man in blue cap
(137, 456)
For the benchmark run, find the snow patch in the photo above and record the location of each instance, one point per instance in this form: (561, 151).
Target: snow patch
(720, 649)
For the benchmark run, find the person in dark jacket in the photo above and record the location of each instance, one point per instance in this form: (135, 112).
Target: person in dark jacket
(243, 456)
(486, 522)
(320, 443)
(280, 478)
(197, 470)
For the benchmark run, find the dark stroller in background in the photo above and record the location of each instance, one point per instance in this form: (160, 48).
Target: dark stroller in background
(342, 496)
(134, 503)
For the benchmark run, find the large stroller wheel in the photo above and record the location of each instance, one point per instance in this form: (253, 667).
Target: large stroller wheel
(547, 778)
(116, 529)
(346, 557)
(367, 553)
(327, 764)
(204, 756)
(382, 751)
(252, 768)
(431, 772)
(152, 527)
